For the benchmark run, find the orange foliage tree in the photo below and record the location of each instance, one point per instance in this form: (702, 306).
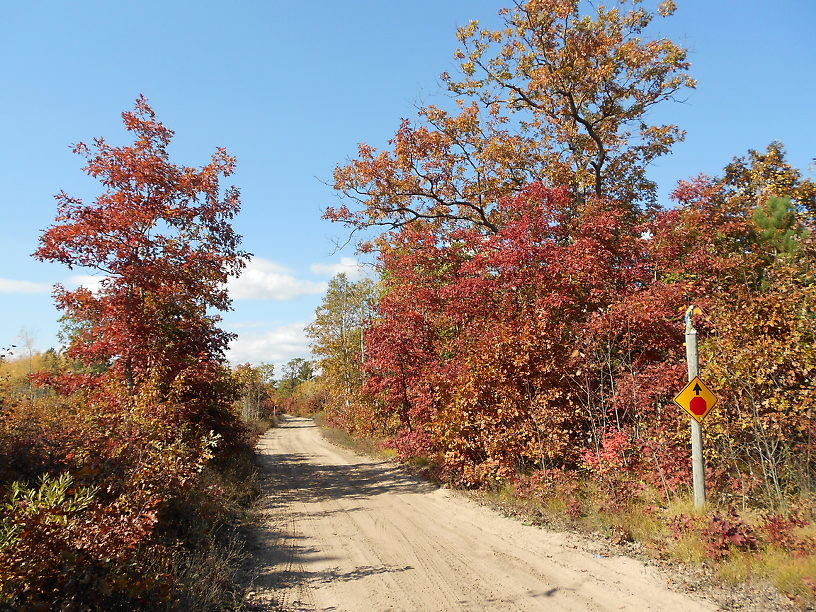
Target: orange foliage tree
(100, 485)
(557, 96)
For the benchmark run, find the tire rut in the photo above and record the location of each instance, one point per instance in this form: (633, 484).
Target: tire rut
(346, 533)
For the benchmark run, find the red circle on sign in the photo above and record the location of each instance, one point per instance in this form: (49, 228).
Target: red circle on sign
(698, 406)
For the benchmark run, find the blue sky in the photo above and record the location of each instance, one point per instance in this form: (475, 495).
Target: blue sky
(290, 88)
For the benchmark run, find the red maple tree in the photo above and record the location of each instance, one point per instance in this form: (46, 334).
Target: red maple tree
(160, 235)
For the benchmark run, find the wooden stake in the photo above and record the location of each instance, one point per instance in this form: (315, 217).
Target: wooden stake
(697, 466)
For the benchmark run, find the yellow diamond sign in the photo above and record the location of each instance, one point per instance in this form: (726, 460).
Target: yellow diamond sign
(696, 399)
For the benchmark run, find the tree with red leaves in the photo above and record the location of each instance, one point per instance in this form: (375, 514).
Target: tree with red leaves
(161, 236)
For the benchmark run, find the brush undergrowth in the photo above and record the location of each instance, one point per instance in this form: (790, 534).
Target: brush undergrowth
(751, 546)
(69, 541)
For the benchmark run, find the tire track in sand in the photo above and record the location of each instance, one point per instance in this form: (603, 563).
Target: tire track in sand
(347, 533)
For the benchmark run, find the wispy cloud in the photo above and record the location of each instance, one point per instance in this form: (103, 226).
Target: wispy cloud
(347, 265)
(277, 345)
(238, 325)
(90, 282)
(8, 285)
(266, 280)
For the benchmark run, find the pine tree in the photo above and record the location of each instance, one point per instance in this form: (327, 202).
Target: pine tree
(780, 230)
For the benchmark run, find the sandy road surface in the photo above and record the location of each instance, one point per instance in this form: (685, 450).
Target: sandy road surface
(344, 532)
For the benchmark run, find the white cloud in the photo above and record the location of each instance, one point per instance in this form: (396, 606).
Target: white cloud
(277, 345)
(90, 282)
(266, 280)
(17, 286)
(238, 325)
(348, 265)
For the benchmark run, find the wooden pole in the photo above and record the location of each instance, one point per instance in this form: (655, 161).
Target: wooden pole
(697, 465)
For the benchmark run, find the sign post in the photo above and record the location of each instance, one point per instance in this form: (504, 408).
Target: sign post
(697, 467)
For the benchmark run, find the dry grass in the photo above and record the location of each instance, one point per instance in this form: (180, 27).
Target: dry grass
(207, 573)
(370, 447)
(205, 577)
(646, 519)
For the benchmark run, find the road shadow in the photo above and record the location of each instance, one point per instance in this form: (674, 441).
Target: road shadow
(279, 563)
(304, 477)
(277, 568)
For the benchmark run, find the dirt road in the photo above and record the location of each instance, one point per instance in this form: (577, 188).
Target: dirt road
(344, 532)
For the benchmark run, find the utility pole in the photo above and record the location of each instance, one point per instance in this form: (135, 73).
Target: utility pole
(697, 466)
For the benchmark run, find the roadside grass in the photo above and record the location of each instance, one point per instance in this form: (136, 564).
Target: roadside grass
(206, 574)
(372, 447)
(214, 522)
(674, 531)
(795, 577)
(256, 427)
